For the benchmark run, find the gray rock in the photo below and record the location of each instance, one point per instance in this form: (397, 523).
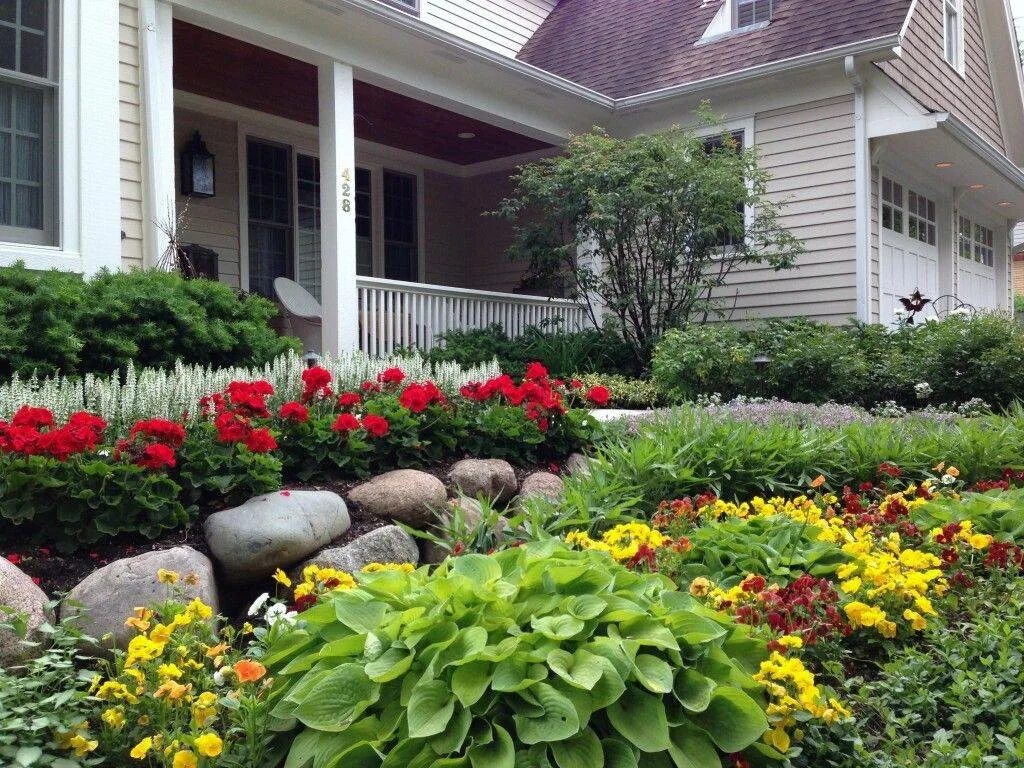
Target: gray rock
(494, 479)
(274, 531)
(19, 596)
(542, 484)
(389, 544)
(577, 464)
(105, 598)
(405, 495)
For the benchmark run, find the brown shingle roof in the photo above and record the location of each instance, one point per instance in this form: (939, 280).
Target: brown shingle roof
(625, 47)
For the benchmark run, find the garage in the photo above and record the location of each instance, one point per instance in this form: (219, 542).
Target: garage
(977, 271)
(909, 259)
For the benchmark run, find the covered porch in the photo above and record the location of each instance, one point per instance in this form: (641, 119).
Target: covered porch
(373, 200)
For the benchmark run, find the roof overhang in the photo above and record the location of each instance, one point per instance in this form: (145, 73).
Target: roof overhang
(941, 138)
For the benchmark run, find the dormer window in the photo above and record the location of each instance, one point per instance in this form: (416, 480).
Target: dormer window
(953, 33)
(751, 12)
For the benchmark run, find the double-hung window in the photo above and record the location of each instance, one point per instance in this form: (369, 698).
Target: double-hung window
(730, 142)
(953, 33)
(28, 143)
(751, 12)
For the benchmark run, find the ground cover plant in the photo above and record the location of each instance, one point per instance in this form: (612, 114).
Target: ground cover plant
(69, 484)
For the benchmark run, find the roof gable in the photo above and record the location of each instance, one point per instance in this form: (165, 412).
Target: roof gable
(626, 47)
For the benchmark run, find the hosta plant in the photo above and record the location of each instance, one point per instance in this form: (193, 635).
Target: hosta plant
(536, 656)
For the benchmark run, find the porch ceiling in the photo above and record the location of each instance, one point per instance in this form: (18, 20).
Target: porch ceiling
(227, 69)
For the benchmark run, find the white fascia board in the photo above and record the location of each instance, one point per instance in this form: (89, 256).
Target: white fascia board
(981, 147)
(1001, 46)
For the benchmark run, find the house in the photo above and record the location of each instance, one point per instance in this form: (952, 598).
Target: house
(354, 144)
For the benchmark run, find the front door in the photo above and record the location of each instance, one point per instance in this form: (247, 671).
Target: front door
(909, 253)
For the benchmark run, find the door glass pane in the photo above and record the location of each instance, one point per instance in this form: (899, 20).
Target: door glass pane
(364, 223)
(307, 255)
(270, 226)
(33, 14)
(401, 241)
(21, 156)
(33, 54)
(9, 10)
(8, 47)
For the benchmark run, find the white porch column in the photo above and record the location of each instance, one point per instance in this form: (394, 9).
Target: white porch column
(337, 209)
(157, 54)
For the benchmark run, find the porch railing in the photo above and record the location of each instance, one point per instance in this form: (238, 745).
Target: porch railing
(394, 314)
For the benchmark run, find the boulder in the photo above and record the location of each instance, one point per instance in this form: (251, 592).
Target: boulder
(543, 484)
(577, 464)
(273, 531)
(389, 544)
(19, 595)
(494, 479)
(404, 495)
(105, 598)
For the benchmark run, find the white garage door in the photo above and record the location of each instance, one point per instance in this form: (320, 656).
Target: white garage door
(977, 284)
(910, 256)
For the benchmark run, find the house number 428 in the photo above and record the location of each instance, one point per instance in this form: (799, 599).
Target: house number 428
(346, 190)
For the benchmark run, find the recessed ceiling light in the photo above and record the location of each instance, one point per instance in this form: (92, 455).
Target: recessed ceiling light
(944, 165)
(977, 186)
(1005, 204)
(467, 135)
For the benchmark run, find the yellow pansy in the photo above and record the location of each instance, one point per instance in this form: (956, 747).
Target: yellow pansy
(209, 744)
(140, 750)
(184, 759)
(167, 577)
(113, 717)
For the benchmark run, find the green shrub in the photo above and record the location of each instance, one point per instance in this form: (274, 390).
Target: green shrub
(59, 323)
(535, 656)
(626, 392)
(85, 498)
(563, 354)
(959, 358)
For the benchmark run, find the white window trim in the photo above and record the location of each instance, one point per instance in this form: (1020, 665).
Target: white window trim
(88, 154)
(960, 65)
(726, 24)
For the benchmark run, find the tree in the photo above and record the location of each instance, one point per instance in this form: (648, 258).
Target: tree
(647, 228)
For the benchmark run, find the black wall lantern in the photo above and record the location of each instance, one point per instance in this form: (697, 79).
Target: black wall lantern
(198, 174)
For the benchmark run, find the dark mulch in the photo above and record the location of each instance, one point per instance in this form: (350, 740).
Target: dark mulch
(57, 573)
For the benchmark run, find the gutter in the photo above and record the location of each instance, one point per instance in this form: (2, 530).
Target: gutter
(862, 186)
(414, 25)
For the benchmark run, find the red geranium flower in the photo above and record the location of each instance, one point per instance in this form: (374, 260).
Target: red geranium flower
(345, 423)
(599, 396)
(260, 441)
(315, 381)
(375, 425)
(294, 411)
(349, 399)
(161, 430)
(536, 371)
(156, 456)
(391, 376)
(30, 417)
(14, 558)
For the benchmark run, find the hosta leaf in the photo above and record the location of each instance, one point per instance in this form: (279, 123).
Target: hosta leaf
(498, 753)
(558, 721)
(454, 736)
(480, 569)
(691, 748)
(560, 627)
(470, 681)
(584, 607)
(303, 749)
(618, 754)
(609, 688)
(640, 718)
(653, 673)
(650, 632)
(733, 720)
(693, 690)
(466, 647)
(582, 751)
(390, 665)
(516, 674)
(337, 699)
(580, 669)
(358, 615)
(431, 707)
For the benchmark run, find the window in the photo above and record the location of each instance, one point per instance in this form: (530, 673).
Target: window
(401, 229)
(751, 12)
(984, 245)
(364, 223)
(307, 223)
(270, 215)
(405, 5)
(965, 243)
(953, 34)
(734, 142)
(892, 205)
(920, 218)
(27, 134)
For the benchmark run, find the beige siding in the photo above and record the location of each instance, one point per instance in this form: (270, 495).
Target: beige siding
(443, 247)
(487, 238)
(213, 222)
(876, 271)
(132, 215)
(925, 74)
(500, 25)
(809, 151)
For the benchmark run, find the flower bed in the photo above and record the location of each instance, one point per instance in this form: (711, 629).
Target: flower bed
(66, 484)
